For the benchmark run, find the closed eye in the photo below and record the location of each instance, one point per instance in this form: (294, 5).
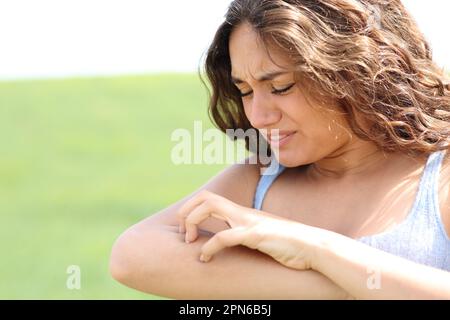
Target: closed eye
(274, 91)
(283, 90)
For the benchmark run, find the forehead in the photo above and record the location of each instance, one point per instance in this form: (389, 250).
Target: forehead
(250, 58)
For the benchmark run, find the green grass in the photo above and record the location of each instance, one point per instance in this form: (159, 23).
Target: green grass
(81, 160)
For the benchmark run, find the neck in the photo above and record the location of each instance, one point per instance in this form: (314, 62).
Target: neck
(356, 161)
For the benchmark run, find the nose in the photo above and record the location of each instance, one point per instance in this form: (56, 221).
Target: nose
(262, 112)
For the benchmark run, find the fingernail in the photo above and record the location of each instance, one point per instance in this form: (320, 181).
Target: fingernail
(204, 258)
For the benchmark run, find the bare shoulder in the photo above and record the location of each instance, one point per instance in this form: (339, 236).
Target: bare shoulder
(444, 186)
(445, 168)
(237, 183)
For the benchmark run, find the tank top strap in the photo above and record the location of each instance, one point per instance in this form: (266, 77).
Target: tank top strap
(265, 181)
(429, 200)
(429, 183)
(421, 237)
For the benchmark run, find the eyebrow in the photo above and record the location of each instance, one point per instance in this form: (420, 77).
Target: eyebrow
(266, 77)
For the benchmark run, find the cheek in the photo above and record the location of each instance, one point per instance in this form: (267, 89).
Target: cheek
(294, 109)
(299, 109)
(305, 117)
(246, 109)
(336, 132)
(320, 126)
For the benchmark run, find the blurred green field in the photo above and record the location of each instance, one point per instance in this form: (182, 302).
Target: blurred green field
(81, 160)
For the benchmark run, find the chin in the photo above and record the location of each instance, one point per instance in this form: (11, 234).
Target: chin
(290, 159)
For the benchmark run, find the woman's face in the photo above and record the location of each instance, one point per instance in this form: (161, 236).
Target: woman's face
(273, 100)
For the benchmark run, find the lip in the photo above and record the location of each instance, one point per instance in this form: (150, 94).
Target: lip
(286, 137)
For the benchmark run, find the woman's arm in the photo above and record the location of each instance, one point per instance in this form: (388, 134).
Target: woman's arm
(152, 257)
(158, 261)
(368, 273)
(363, 271)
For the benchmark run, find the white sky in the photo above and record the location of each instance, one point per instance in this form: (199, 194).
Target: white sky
(60, 38)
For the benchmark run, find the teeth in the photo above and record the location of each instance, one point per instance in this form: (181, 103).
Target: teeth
(278, 138)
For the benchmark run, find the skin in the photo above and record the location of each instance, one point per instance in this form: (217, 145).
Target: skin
(323, 137)
(351, 264)
(314, 232)
(331, 159)
(152, 256)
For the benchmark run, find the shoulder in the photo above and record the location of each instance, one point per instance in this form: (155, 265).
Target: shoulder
(444, 190)
(236, 182)
(445, 168)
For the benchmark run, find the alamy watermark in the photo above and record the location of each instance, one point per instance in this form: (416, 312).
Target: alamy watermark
(73, 281)
(211, 146)
(374, 280)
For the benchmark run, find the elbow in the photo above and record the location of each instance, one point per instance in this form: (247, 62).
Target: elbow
(139, 261)
(125, 258)
(135, 260)
(120, 266)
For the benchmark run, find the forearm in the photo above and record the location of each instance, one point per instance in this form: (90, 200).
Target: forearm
(161, 263)
(369, 273)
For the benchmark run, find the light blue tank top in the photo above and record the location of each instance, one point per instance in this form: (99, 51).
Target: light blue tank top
(421, 237)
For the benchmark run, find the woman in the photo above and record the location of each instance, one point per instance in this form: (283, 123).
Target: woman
(359, 207)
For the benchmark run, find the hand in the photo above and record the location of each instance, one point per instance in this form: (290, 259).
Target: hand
(290, 243)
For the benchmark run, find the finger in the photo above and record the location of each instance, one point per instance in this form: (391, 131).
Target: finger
(224, 239)
(189, 205)
(180, 219)
(195, 217)
(184, 210)
(209, 208)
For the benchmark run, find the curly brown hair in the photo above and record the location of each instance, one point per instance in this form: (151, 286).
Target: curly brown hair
(368, 56)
